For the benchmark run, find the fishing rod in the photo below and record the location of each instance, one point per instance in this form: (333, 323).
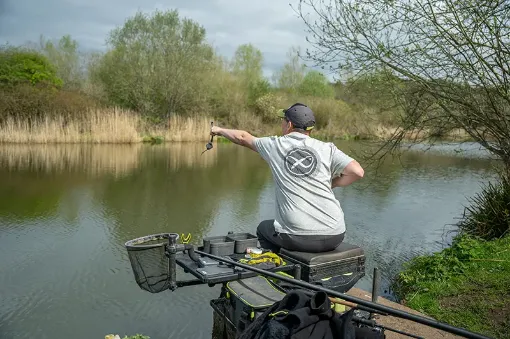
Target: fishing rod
(375, 306)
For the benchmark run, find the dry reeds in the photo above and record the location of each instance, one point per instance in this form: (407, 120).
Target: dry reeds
(110, 125)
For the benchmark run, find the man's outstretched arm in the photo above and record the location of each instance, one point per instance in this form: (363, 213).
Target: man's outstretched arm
(238, 137)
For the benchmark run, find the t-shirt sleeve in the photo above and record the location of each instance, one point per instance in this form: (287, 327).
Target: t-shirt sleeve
(264, 146)
(339, 161)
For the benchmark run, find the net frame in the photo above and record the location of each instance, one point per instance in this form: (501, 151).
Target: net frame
(149, 262)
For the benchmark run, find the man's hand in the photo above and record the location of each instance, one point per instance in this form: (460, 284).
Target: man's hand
(238, 137)
(216, 130)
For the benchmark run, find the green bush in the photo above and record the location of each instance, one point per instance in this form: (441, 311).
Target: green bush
(257, 90)
(267, 106)
(317, 85)
(488, 216)
(30, 103)
(18, 66)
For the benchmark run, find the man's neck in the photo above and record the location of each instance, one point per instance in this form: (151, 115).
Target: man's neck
(299, 132)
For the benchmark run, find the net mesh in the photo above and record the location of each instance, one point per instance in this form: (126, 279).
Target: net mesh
(149, 262)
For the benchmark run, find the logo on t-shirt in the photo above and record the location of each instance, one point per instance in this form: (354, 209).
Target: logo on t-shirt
(301, 162)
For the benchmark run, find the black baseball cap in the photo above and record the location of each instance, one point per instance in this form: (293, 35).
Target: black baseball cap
(300, 115)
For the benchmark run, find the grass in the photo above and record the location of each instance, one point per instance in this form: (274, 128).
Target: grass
(466, 285)
(488, 215)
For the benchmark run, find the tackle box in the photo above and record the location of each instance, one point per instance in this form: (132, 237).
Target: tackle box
(339, 269)
(242, 241)
(219, 245)
(249, 298)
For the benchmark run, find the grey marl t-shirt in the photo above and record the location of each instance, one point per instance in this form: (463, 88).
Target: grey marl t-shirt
(303, 168)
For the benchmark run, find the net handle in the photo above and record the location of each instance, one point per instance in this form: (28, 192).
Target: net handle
(139, 243)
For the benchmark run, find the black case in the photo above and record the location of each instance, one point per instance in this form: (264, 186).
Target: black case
(249, 298)
(339, 269)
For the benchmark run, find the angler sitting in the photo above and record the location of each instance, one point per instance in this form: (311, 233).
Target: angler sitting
(305, 170)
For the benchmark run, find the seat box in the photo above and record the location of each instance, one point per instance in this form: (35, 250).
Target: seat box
(342, 267)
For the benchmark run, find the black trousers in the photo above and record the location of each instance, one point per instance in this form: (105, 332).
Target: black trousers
(271, 240)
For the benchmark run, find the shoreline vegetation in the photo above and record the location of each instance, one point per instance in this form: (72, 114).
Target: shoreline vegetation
(467, 283)
(119, 126)
(52, 92)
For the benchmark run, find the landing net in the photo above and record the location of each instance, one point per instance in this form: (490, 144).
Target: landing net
(149, 262)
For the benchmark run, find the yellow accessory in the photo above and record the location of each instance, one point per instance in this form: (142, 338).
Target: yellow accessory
(185, 240)
(264, 257)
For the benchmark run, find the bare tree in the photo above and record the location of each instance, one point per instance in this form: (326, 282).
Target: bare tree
(447, 62)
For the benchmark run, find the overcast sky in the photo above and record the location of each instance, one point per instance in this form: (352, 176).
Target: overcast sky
(271, 25)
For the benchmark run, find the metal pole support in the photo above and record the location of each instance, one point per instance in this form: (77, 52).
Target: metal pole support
(172, 266)
(375, 290)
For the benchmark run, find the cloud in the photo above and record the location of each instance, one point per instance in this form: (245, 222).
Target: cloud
(271, 25)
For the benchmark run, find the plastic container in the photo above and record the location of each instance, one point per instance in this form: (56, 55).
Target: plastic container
(219, 245)
(243, 241)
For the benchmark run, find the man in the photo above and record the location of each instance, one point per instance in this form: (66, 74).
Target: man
(305, 170)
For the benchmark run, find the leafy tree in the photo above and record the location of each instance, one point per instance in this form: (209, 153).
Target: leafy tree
(371, 90)
(247, 66)
(290, 76)
(157, 64)
(23, 66)
(67, 60)
(316, 84)
(452, 58)
(247, 63)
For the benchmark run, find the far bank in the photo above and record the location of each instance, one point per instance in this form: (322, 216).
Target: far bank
(115, 125)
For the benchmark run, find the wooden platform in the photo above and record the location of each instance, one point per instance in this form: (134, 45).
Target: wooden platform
(399, 323)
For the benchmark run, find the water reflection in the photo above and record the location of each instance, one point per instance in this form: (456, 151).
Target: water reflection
(95, 160)
(66, 211)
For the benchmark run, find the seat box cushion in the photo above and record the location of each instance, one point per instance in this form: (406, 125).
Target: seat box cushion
(343, 252)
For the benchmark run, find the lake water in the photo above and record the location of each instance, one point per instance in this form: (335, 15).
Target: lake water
(66, 212)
